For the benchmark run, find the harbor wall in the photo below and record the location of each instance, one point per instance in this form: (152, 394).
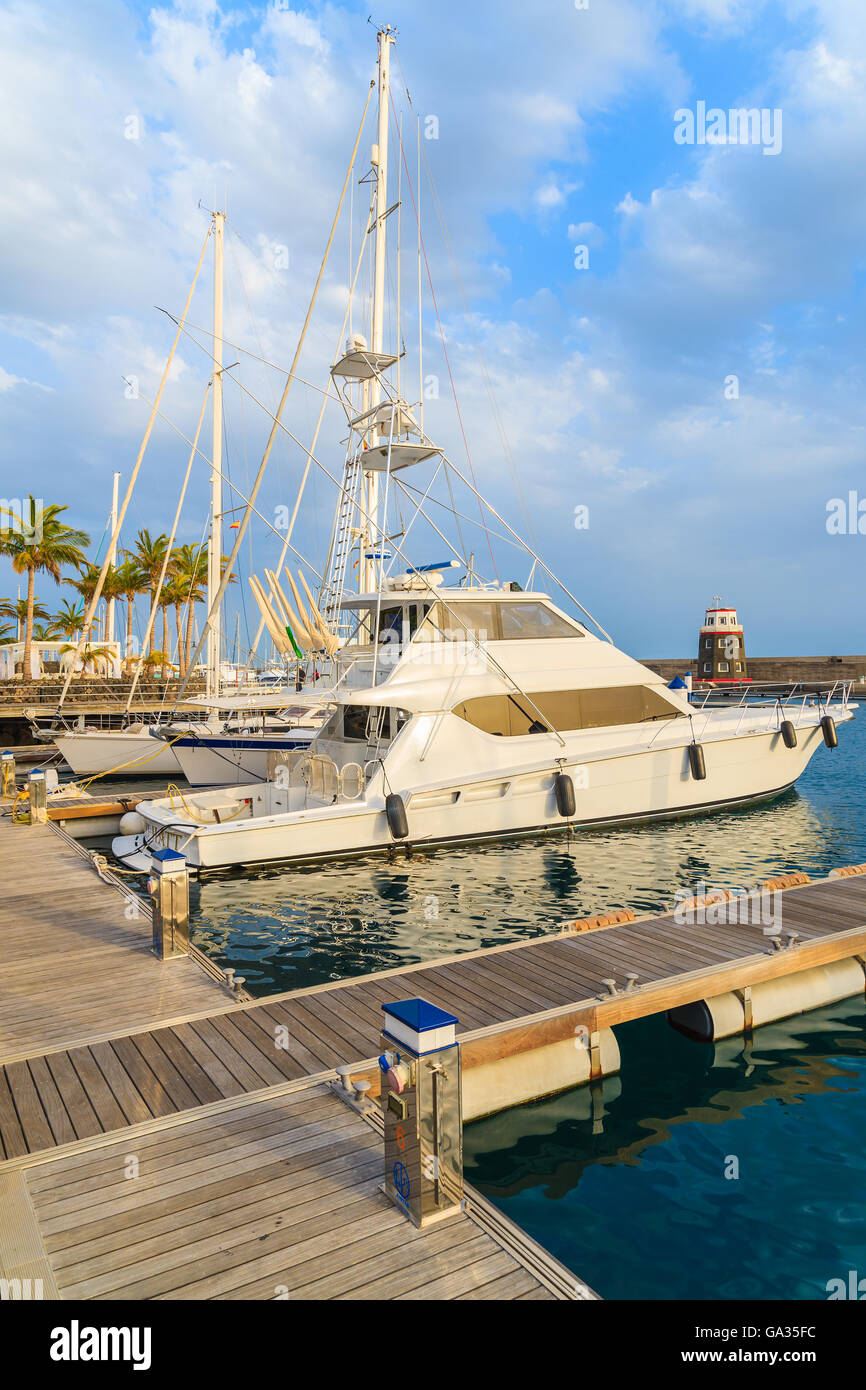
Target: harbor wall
(822, 669)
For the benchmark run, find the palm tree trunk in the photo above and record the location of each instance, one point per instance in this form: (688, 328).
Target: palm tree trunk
(164, 638)
(130, 601)
(178, 625)
(28, 627)
(190, 614)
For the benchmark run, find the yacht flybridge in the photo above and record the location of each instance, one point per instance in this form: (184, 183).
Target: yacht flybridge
(456, 707)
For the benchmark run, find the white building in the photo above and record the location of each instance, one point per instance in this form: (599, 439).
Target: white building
(49, 659)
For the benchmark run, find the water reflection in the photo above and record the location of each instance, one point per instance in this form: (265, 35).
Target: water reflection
(627, 1183)
(286, 928)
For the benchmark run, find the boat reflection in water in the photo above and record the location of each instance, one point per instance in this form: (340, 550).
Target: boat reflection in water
(725, 1170)
(285, 929)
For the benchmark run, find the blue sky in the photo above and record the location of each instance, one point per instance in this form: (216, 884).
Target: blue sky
(555, 129)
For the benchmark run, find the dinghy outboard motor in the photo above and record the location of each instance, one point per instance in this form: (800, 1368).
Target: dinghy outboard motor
(395, 810)
(697, 762)
(564, 790)
(789, 733)
(828, 728)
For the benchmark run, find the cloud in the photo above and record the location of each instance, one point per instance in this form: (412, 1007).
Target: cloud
(609, 389)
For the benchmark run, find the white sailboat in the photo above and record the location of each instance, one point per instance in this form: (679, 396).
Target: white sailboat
(471, 711)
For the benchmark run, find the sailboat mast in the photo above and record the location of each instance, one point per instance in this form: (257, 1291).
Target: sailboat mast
(215, 545)
(115, 497)
(370, 568)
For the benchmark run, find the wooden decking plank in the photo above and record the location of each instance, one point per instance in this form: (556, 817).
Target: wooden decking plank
(99, 1093)
(354, 1280)
(52, 1103)
(120, 1083)
(167, 1276)
(149, 1087)
(12, 1140)
(236, 1036)
(84, 1118)
(483, 981)
(348, 1040)
(91, 1207)
(196, 1078)
(280, 1017)
(32, 1118)
(259, 1031)
(464, 1277)
(225, 1082)
(281, 1259)
(507, 1286)
(209, 1216)
(159, 1148)
(247, 1078)
(169, 1265)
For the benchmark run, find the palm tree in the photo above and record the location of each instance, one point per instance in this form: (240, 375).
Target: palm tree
(175, 592)
(68, 621)
(45, 633)
(89, 655)
(149, 555)
(130, 581)
(38, 542)
(87, 581)
(189, 565)
(17, 609)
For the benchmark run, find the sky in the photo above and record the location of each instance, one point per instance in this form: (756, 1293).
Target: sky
(655, 343)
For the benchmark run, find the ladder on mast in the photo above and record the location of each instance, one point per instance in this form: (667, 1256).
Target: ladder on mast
(335, 582)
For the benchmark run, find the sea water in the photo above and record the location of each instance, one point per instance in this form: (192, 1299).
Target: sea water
(720, 1171)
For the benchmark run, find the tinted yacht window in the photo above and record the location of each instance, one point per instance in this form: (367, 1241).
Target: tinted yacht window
(524, 620)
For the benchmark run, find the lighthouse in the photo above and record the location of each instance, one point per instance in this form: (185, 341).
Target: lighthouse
(721, 650)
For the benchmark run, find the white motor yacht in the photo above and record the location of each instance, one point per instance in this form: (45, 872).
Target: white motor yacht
(500, 716)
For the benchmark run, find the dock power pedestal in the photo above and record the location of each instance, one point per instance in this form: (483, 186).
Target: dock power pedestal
(168, 886)
(420, 1066)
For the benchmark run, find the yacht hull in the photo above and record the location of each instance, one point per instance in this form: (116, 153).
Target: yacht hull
(230, 762)
(135, 755)
(650, 784)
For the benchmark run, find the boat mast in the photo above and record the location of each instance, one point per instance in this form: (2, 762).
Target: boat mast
(369, 569)
(215, 546)
(115, 497)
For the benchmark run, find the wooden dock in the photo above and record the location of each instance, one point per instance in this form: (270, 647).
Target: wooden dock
(77, 965)
(254, 1178)
(276, 1198)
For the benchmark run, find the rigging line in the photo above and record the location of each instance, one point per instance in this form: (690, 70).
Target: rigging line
(310, 455)
(491, 660)
(224, 582)
(234, 487)
(88, 621)
(238, 347)
(445, 348)
(506, 447)
(236, 265)
(432, 523)
(530, 551)
(151, 622)
(470, 521)
(482, 361)
(417, 512)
